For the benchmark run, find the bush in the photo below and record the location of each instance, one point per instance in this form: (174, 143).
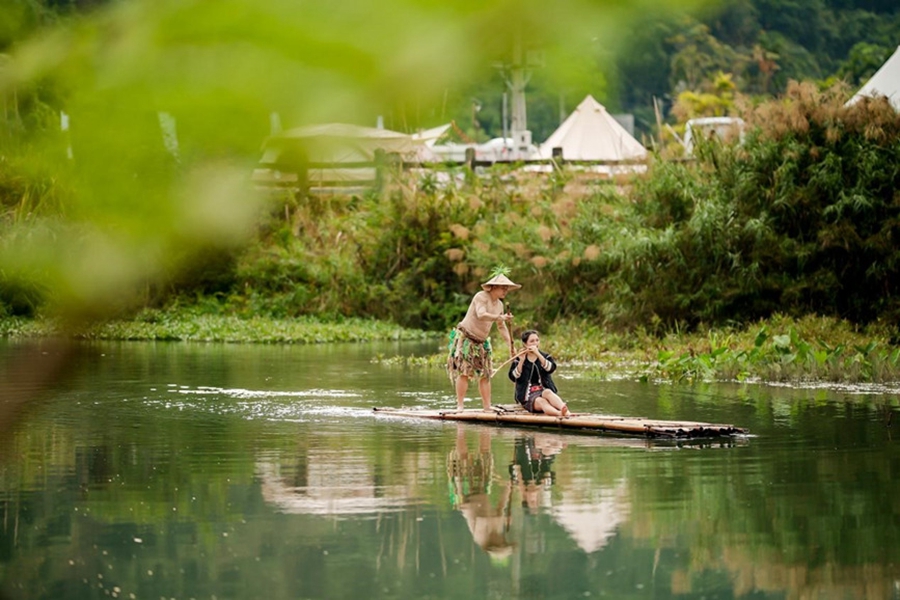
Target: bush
(801, 219)
(20, 298)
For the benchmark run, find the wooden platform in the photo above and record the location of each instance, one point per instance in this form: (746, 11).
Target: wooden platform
(610, 424)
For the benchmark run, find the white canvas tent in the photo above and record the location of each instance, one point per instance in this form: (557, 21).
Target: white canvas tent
(339, 142)
(333, 144)
(431, 136)
(591, 133)
(885, 82)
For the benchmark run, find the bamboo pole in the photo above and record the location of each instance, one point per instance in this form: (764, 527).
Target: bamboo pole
(509, 360)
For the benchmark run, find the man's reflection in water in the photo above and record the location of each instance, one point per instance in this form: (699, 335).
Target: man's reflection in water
(471, 477)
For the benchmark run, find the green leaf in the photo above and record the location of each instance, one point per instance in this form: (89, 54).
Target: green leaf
(761, 338)
(500, 270)
(782, 342)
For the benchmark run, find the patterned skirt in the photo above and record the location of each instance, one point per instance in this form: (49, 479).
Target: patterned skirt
(468, 356)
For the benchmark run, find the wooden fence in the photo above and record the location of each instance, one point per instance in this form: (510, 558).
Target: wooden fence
(357, 177)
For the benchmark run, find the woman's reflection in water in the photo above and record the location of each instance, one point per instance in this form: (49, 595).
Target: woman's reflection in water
(531, 468)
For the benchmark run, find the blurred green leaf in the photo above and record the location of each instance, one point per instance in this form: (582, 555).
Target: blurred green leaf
(168, 102)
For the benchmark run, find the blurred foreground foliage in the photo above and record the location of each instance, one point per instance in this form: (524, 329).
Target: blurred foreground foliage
(129, 131)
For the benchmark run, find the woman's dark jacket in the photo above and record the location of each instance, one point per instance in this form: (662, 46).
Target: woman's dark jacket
(532, 374)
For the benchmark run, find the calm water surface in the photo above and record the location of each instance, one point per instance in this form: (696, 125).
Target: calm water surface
(183, 471)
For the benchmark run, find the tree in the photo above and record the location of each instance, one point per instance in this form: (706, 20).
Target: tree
(864, 59)
(698, 56)
(716, 100)
(766, 63)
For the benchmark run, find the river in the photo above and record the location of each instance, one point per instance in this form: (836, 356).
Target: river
(180, 471)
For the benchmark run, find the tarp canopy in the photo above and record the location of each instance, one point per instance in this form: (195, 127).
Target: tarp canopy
(726, 129)
(322, 149)
(431, 136)
(591, 133)
(885, 82)
(339, 142)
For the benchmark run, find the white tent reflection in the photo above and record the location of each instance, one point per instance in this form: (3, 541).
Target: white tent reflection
(333, 483)
(592, 515)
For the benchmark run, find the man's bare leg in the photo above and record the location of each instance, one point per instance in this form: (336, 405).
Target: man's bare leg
(484, 386)
(462, 384)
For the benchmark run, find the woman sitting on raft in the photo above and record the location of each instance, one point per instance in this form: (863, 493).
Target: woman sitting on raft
(530, 372)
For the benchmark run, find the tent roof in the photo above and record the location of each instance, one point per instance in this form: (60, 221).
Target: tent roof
(430, 136)
(885, 82)
(341, 130)
(342, 142)
(591, 133)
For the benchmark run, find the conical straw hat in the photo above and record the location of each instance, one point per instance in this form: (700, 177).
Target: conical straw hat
(500, 280)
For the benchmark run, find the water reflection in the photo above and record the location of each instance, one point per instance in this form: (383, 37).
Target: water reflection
(184, 472)
(471, 478)
(497, 506)
(531, 468)
(328, 483)
(593, 514)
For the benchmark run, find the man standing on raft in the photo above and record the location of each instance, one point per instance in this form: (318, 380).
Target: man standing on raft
(470, 343)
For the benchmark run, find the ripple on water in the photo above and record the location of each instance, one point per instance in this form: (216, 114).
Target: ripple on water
(276, 405)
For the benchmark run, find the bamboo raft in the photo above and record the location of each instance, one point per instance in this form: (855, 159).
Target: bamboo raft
(514, 414)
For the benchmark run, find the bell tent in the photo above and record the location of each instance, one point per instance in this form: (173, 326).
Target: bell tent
(885, 82)
(591, 133)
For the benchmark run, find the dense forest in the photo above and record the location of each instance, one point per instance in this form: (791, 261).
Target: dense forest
(761, 44)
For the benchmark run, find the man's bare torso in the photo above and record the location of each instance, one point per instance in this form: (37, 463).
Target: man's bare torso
(482, 304)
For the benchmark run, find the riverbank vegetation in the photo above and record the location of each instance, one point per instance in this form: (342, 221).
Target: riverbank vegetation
(799, 220)
(810, 349)
(817, 350)
(775, 259)
(192, 324)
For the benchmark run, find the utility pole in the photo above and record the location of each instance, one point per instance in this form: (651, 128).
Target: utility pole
(504, 118)
(516, 81)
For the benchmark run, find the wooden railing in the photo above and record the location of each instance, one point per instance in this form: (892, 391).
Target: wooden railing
(349, 177)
